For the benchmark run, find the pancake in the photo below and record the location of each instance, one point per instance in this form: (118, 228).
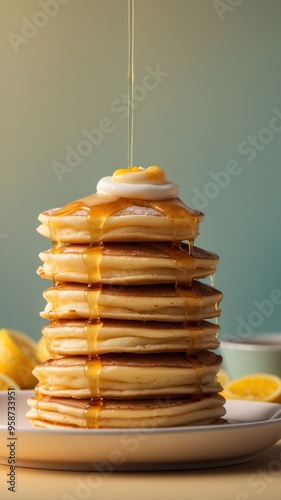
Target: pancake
(68, 413)
(127, 263)
(144, 302)
(129, 375)
(66, 338)
(100, 218)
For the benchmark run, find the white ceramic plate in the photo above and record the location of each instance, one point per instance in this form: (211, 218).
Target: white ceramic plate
(253, 427)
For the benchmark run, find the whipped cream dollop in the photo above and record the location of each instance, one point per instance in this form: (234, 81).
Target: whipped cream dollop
(138, 182)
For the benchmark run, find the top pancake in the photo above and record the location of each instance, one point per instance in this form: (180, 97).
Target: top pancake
(99, 218)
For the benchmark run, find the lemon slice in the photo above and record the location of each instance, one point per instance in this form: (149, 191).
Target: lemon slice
(223, 377)
(257, 386)
(42, 352)
(7, 383)
(18, 357)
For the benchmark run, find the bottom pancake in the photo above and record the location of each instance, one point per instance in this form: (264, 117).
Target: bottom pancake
(71, 413)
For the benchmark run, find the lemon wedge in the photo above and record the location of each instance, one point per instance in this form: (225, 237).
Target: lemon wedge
(42, 352)
(7, 383)
(18, 357)
(257, 387)
(223, 377)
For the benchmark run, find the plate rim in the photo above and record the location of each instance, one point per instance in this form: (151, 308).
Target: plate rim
(155, 430)
(182, 455)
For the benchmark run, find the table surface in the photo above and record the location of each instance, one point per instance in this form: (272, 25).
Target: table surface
(259, 479)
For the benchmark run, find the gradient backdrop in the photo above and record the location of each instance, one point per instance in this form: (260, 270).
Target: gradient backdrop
(208, 110)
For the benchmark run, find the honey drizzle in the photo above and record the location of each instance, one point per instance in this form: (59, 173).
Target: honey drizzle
(49, 348)
(91, 412)
(91, 256)
(92, 371)
(93, 365)
(180, 216)
(54, 265)
(192, 344)
(186, 299)
(93, 305)
(54, 300)
(196, 339)
(131, 30)
(52, 221)
(91, 331)
(87, 256)
(185, 264)
(217, 318)
(199, 372)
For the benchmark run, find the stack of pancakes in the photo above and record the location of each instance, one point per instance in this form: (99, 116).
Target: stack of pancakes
(129, 334)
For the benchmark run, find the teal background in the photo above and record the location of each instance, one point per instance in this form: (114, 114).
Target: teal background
(224, 80)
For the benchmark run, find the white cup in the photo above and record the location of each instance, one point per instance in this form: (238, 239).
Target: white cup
(260, 353)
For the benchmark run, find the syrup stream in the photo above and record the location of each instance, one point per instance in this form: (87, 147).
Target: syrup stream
(131, 8)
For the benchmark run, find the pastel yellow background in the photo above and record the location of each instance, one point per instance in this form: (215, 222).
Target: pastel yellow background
(211, 118)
